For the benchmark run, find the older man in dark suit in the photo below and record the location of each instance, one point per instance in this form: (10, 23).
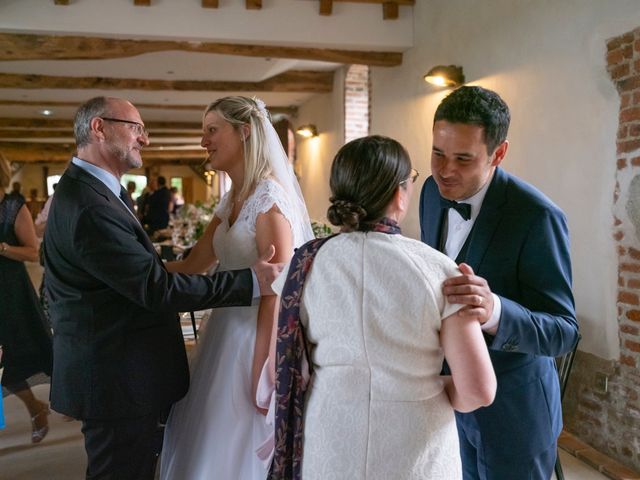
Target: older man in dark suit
(516, 241)
(119, 356)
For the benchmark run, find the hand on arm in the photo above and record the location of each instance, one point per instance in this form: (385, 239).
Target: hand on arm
(470, 290)
(267, 272)
(473, 382)
(272, 230)
(202, 256)
(26, 234)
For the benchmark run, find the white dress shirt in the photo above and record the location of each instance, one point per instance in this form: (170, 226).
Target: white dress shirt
(458, 230)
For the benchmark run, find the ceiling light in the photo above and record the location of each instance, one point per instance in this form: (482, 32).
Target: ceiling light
(46, 112)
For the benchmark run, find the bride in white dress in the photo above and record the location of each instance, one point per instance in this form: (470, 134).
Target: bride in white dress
(214, 432)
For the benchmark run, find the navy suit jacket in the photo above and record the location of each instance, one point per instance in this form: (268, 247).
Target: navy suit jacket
(117, 346)
(520, 244)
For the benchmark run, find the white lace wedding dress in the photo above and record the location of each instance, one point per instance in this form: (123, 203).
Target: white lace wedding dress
(213, 432)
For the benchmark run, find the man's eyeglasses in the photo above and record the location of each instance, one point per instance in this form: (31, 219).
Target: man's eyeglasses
(138, 127)
(413, 176)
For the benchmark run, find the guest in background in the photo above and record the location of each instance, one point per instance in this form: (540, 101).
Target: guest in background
(24, 333)
(375, 323)
(143, 199)
(41, 219)
(158, 207)
(176, 200)
(34, 204)
(16, 191)
(131, 189)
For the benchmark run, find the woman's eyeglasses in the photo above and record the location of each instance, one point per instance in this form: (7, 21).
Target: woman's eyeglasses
(413, 176)
(138, 127)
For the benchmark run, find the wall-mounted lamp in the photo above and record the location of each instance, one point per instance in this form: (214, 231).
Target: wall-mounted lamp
(445, 76)
(307, 131)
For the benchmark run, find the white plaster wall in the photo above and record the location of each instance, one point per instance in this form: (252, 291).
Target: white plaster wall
(546, 58)
(314, 155)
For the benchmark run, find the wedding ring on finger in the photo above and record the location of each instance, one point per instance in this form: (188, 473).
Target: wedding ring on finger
(480, 301)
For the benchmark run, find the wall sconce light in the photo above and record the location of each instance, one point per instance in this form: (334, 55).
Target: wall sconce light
(307, 131)
(445, 76)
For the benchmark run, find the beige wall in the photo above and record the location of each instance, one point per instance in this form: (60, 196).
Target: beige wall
(547, 59)
(314, 155)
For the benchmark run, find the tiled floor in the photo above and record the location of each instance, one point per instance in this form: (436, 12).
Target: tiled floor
(61, 454)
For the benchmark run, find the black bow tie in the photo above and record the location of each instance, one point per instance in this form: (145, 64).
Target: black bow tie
(464, 209)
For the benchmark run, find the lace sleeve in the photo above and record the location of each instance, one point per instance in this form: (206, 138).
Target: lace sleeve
(267, 194)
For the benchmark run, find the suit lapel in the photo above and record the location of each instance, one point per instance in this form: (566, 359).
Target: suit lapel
(488, 219)
(432, 216)
(101, 189)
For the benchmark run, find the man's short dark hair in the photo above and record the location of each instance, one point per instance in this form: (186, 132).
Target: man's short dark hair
(477, 106)
(162, 181)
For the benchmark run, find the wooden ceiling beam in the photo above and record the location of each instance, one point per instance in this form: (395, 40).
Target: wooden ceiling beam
(253, 4)
(288, 111)
(13, 123)
(390, 11)
(326, 7)
(49, 47)
(292, 81)
(210, 3)
(142, 3)
(390, 8)
(380, 2)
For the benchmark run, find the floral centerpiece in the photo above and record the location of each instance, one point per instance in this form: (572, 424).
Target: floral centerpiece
(191, 221)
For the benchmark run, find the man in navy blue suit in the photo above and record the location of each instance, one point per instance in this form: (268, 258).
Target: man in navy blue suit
(513, 247)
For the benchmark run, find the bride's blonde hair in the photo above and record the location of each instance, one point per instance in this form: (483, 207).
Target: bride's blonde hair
(239, 111)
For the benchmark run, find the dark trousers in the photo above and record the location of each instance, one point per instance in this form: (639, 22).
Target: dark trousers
(123, 449)
(475, 466)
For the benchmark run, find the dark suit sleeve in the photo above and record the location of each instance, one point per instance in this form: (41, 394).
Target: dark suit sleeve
(543, 320)
(113, 253)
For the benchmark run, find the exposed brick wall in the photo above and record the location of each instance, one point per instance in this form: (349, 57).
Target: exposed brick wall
(357, 102)
(610, 421)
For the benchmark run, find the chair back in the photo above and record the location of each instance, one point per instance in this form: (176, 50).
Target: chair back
(563, 366)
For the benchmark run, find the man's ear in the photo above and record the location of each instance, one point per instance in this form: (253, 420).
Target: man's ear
(499, 153)
(96, 126)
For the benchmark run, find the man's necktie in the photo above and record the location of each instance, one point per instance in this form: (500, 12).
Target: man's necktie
(124, 196)
(464, 209)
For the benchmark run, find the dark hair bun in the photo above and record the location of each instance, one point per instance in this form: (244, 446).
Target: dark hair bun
(345, 213)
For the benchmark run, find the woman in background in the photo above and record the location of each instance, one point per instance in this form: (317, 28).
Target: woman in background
(24, 334)
(367, 308)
